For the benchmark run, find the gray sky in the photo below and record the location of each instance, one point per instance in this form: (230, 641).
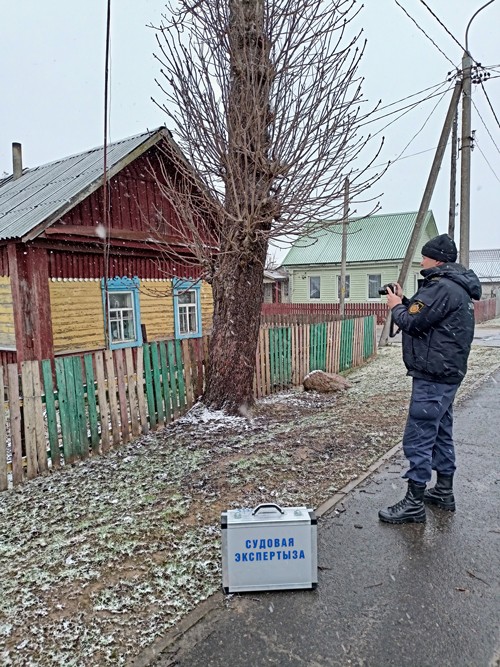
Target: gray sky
(52, 64)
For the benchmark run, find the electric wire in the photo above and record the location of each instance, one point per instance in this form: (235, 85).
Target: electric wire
(490, 104)
(399, 158)
(487, 162)
(485, 126)
(443, 26)
(403, 99)
(428, 37)
(420, 130)
(406, 109)
(394, 120)
(105, 188)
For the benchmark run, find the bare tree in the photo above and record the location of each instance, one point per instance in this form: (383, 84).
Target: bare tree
(266, 99)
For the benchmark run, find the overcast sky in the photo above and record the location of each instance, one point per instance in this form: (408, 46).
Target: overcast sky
(52, 74)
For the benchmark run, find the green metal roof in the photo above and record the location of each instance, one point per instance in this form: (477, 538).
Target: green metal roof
(375, 238)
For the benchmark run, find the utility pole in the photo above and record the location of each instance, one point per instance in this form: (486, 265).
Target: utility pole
(426, 200)
(466, 148)
(345, 223)
(453, 177)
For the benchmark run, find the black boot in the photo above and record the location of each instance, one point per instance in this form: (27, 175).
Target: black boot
(409, 510)
(442, 493)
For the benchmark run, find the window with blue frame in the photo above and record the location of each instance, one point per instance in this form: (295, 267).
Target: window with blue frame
(187, 309)
(122, 313)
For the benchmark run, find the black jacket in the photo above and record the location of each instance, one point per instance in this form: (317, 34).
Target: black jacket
(438, 323)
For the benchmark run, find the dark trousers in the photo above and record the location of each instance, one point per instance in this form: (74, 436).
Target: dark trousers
(428, 437)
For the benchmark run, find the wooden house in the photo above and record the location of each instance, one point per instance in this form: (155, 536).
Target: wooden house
(275, 286)
(68, 284)
(486, 265)
(376, 247)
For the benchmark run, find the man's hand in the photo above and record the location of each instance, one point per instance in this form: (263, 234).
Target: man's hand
(393, 298)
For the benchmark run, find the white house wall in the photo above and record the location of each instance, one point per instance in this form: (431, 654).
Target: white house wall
(358, 282)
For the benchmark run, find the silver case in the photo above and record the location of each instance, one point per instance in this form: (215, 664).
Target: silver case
(245, 531)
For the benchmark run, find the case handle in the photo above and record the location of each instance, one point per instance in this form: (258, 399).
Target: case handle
(263, 505)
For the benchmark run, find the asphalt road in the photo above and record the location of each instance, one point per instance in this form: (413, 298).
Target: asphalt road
(401, 596)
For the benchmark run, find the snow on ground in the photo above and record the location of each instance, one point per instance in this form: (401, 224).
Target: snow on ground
(98, 559)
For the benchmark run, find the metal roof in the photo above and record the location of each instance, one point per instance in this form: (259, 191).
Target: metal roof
(485, 264)
(374, 238)
(43, 194)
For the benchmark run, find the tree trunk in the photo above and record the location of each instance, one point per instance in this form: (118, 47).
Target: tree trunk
(235, 333)
(250, 209)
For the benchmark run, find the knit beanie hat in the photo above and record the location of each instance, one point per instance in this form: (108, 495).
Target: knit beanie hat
(441, 248)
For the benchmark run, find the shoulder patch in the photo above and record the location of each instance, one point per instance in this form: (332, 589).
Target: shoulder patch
(416, 307)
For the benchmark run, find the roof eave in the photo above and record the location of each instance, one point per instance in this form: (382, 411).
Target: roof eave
(152, 140)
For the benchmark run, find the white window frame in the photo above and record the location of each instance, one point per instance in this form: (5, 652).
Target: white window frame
(183, 312)
(372, 275)
(130, 287)
(315, 298)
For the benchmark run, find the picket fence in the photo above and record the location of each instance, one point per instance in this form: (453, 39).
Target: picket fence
(56, 412)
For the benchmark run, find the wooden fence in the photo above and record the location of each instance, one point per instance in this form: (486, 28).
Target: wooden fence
(289, 313)
(270, 311)
(485, 310)
(58, 412)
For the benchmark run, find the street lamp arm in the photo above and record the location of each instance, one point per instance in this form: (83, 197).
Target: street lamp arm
(468, 25)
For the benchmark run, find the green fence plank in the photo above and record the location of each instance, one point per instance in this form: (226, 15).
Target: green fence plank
(73, 417)
(72, 409)
(157, 382)
(368, 337)
(317, 347)
(321, 346)
(81, 416)
(64, 411)
(285, 357)
(50, 406)
(279, 359)
(180, 375)
(280, 356)
(148, 376)
(272, 357)
(91, 402)
(173, 383)
(166, 387)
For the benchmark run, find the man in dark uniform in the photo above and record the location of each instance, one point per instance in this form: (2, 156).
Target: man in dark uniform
(438, 328)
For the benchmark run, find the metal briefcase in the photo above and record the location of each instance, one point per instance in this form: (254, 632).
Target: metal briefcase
(269, 548)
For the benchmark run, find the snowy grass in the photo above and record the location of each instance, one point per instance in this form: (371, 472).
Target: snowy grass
(99, 559)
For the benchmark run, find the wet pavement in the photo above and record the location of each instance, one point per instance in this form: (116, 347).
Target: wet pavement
(395, 596)
(484, 335)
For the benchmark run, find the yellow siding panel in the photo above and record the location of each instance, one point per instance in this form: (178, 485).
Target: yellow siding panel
(157, 309)
(7, 331)
(207, 306)
(77, 315)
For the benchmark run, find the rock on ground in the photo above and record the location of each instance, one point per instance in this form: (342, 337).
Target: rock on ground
(325, 382)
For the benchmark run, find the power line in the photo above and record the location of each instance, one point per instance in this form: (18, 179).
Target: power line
(407, 108)
(485, 126)
(429, 38)
(486, 160)
(443, 25)
(407, 111)
(490, 104)
(420, 130)
(403, 99)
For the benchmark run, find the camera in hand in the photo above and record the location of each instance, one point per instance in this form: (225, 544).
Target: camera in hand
(383, 289)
